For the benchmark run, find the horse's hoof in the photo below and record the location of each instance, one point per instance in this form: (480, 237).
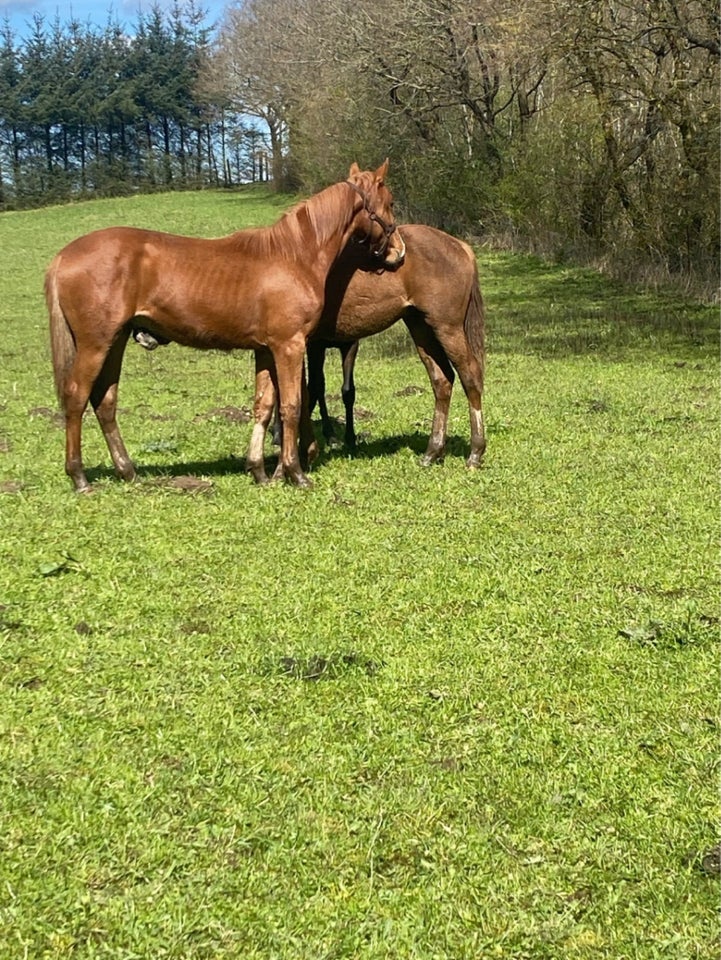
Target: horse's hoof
(259, 475)
(301, 481)
(430, 459)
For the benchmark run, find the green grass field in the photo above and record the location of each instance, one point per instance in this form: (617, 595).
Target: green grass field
(406, 714)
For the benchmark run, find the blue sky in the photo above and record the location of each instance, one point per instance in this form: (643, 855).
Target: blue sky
(21, 12)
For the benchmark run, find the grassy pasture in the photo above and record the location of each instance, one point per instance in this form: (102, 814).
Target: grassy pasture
(407, 714)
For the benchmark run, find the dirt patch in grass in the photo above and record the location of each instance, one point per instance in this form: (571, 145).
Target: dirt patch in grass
(360, 413)
(327, 667)
(186, 483)
(710, 862)
(52, 416)
(229, 414)
(11, 486)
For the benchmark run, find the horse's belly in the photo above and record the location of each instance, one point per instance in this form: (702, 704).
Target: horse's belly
(200, 331)
(363, 317)
(207, 336)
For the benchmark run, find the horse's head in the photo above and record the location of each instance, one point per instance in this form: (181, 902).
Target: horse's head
(374, 222)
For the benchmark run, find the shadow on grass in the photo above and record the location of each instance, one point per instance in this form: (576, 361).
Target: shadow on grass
(373, 449)
(227, 466)
(540, 308)
(223, 466)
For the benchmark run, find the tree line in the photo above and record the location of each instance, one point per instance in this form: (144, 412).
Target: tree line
(87, 110)
(579, 127)
(575, 127)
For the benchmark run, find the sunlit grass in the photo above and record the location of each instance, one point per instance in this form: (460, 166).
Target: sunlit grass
(410, 713)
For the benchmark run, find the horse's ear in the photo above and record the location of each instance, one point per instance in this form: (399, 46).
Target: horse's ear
(354, 170)
(382, 171)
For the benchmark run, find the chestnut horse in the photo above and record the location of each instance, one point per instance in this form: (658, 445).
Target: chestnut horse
(435, 291)
(260, 289)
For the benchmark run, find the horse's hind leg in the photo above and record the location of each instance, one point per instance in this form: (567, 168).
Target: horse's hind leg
(79, 383)
(104, 398)
(440, 373)
(458, 349)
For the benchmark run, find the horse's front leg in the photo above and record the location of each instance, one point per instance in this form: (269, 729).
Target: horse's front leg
(266, 406)
(262, 412)
(349, 352)
(308, 444)
(289, 371)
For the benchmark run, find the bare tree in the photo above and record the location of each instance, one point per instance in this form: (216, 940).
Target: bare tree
(251, 69)
(593, 121)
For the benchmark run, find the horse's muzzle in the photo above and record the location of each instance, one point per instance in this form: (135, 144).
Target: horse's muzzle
(391, 256)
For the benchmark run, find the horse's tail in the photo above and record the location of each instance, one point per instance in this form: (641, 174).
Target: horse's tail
(474, 322)
(62, 342)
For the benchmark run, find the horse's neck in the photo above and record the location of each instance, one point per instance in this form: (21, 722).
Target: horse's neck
(324, 222)
(314, 233)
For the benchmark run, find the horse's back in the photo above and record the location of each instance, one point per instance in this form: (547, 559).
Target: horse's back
(107, 237)
(436, 259)
(117, 245)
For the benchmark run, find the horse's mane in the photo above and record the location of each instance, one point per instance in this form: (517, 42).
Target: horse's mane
(315, 220)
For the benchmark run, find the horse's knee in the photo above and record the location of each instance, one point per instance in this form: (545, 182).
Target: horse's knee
(290, 413)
